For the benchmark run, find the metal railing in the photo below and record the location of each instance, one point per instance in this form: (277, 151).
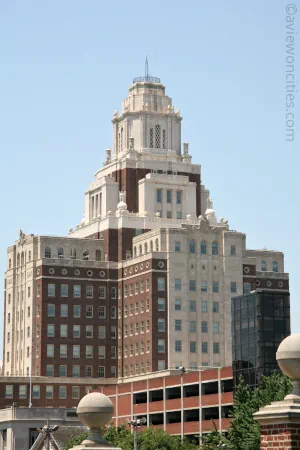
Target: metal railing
(147, 78)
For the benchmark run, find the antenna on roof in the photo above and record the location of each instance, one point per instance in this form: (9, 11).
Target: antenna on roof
(146, 69)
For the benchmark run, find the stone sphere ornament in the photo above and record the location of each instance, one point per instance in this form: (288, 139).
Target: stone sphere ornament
(288, 358)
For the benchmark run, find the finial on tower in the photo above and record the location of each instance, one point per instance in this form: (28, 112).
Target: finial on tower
(146, 69)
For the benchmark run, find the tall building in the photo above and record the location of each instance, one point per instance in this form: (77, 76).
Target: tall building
(144, 282)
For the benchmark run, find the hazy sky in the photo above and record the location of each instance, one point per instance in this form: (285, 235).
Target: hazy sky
(66, 65)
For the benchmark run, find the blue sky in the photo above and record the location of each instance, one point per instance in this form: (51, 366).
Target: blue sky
(66, 66)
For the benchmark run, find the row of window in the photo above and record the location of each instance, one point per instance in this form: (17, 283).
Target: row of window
(140, 308)
(76, 350)
(193, 306)
(141, 368)
(193, 287)
(138, 287)
(77, 370)
(77, 331)
(60, 253)
(264, 267)
(193, 326)
(89, 291)
(138, 348)
(161, 346)
(21, 259)
(203, 247)
(136, 328)
(169, 195)
(89, 311)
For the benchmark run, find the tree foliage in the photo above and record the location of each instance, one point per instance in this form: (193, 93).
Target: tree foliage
(244, 432)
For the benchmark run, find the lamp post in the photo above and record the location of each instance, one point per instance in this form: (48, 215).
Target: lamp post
(135, 423)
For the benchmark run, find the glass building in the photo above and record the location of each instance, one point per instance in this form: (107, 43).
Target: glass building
(260, 321)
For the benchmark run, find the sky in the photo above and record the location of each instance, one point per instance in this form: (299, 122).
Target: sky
(65, 66)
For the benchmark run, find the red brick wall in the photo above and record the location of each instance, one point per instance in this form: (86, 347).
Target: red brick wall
(284, 436)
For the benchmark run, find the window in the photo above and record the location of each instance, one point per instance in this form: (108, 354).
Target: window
(233, 286)
(151, 137)
(148, 345)
(76, 351)
(142, 286)
(157, 136)
(85, 255)
(263, 266)
(177, 304)
(50, 350)
(204, 327)
(89, 292)
(232, 250)
(131, 329)
(216, 347)
(178, 214)
(101, 371)
(147, 304)
(76, 371)
(177, 324)
(76, 291)
(178, 197)
(158, 195)
(113, 332)
(247, 288)
(204, 347)
(28, 291)
(89, 331)
(215, 307)
(204, 306)
(50, 330)
(50, 370)
(142, 327)
(60, 252)
(203, 286)
(9, 263)
(76, 331)
(76, 311)
(216, 327)
(8, 318)
(178, 346)
(75, 392)
(63, 351)
(161, 304)
(101, 352)
(102, 292)
(51, 290)
(193, 347)
(98, 255)
(35, 391)
(63, 330)
(214, 248)
(63, 310)
(215, 287)
(193, 285)
(161, 284)
(88, 371)
(193, 307)
(156, 245)
(89, 311)
(275, 266)
(64, 290)
(73, 253)
(177, 246)
(88, 351)
(193, 326)
(169, 196)
(192, 246)
(9, 391)
(47, 252)
(160, 346)
(113, 292)
(177, 282)
(28, 331)
(101, 332)
(203, 250)
(161, 325)
(62, 371)
(136, 328)
(147, 284)
(113, 352)
(62, 392)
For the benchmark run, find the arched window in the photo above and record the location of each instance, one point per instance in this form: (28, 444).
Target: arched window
(22, 258)
(47, 252)
(192, 246)
(275, 266)
(134, 251)
(151, 138)
(156, 245)
(151, 246)
(214, 248)
(18, 260)
(73, 253)
(141, 249)
(157, 136)
(146, 247)
(203, 250)
(263, 266)
(121, 139)
(86, 255)
(98, 255)
(29, 255)
(60, 252)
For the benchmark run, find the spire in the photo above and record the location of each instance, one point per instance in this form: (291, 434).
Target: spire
(146, 69)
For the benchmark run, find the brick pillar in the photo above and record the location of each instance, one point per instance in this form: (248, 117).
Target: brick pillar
(280, 424)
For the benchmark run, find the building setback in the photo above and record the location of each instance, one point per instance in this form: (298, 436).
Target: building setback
(144, 282)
